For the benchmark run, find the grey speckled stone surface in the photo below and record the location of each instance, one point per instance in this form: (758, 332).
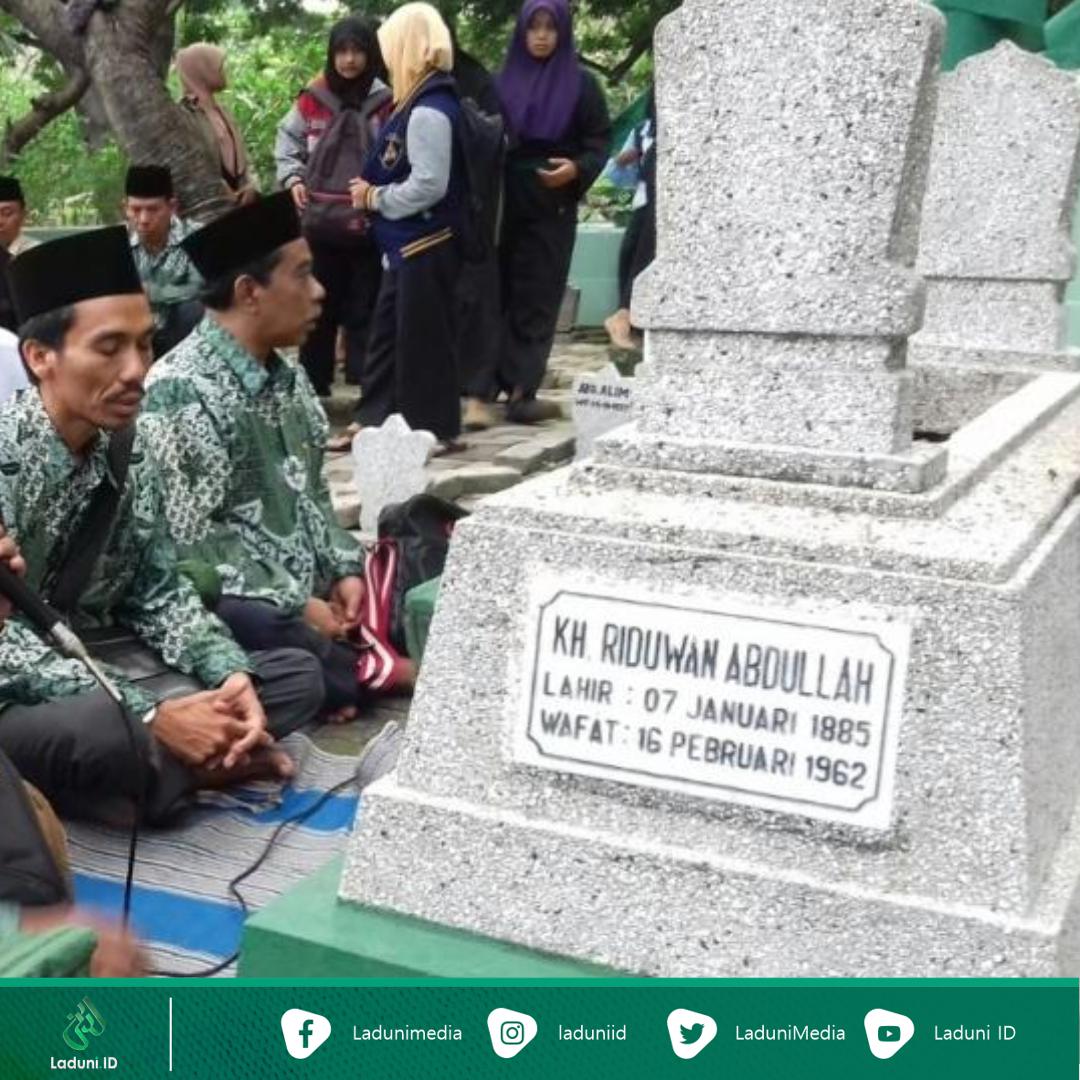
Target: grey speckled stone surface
(389, 467)
(995, 245)
(975, 871)
(787, 227)
(976, 863)
(790, 201)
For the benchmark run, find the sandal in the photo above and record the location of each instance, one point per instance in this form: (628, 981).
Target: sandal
(448, 446)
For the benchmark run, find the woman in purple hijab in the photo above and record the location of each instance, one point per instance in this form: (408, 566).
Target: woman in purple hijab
(560, 132)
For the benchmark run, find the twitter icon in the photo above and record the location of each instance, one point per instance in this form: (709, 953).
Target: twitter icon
(690, 1032)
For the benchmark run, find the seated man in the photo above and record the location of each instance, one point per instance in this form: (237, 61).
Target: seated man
(13, 217)
(114, 953)
(85, 340)
(168, 277)
(238, 435)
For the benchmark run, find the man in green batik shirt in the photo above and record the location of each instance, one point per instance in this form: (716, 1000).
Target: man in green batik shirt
(36, 937)
(85, 329)
(172, 284)
(238, 434)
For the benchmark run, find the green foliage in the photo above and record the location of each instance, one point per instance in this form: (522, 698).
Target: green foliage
(268, 65)
(274, 49)
(64, 185)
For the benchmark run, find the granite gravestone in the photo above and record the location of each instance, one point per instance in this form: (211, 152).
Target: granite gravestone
(388, 467)
(602, 401)
(995, 246)
(764, 688)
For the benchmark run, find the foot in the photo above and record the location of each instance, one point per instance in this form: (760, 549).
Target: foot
(620, 330)
(342, 444)
(267, 764)
(448, 446)
(478, 415)
(343, 716)
(532, 411)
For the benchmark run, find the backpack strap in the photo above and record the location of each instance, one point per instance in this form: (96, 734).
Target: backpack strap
(376, 101)
(88, 540)
(325, 97)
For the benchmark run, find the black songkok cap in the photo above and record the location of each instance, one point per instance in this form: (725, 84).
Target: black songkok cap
(148, 182)
(243, 236)
(11, 190)
(84, 266)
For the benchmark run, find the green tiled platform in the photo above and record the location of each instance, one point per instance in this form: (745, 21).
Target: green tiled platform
(309, 934)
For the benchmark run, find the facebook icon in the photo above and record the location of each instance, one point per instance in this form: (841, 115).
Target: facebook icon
(304, 1032)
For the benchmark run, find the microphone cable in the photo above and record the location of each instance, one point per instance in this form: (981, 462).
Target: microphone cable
(49, 625)
(234, 885)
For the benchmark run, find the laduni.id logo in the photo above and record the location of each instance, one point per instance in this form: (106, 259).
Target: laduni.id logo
(304, 1032)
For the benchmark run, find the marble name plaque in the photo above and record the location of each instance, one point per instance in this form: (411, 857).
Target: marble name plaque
(781, 709)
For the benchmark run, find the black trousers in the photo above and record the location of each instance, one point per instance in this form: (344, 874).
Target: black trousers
(412, 354)
(76, 750)
(479, 328)
(536, 254)
(351, 279)
(637, 251)
(257, 624)
(180, 320)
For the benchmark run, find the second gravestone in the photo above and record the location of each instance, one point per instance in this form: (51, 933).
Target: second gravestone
(995, 244)
(765, 687)
(602, 402)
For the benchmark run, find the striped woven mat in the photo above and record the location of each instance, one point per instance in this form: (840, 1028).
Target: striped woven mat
(181, 905)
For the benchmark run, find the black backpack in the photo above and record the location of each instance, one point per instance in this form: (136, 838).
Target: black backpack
(29, 875)
(420, 529)
(483, 143)
(338, 158)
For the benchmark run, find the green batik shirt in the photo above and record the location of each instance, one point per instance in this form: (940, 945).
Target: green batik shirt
(44, 493)
(240, 447)
(169, 277)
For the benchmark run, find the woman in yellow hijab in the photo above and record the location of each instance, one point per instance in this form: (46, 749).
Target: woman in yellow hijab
(413, 186)
(415, 43)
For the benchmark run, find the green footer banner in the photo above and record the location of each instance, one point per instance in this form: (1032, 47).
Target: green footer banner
(551, 1030)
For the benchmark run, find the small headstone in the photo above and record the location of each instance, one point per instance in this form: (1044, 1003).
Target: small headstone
(995, 246)
(602, 401)
(388, 464)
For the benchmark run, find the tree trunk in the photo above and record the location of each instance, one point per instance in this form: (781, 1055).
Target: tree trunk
(148, 125)
(43, 110)
(93, 119)
(118, 54)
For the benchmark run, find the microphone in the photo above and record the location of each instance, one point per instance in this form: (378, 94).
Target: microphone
(51, 625)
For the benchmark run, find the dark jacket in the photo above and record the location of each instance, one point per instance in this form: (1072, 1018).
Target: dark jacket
(586, 142)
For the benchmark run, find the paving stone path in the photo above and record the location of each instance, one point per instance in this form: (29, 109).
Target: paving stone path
(494, 459)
